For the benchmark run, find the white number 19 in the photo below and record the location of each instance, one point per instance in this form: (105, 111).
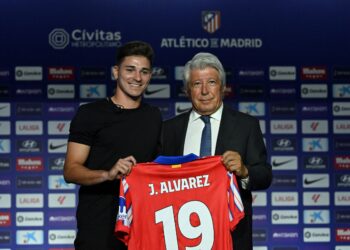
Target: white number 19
(204, 229)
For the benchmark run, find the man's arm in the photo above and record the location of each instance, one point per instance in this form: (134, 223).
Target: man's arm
(75, 172)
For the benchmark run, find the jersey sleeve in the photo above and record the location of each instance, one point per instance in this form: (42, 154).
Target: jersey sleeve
(236, 208)
(124, 217)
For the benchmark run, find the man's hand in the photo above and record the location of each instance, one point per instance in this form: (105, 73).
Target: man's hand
(233, 163)
(121, 168)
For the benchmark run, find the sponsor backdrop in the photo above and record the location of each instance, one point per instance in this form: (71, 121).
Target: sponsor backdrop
(287, 64)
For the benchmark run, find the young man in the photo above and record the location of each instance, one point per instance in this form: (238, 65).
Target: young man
(234, 135)
(106, 139)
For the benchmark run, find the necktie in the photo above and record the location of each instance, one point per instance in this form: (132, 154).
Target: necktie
(205, 149)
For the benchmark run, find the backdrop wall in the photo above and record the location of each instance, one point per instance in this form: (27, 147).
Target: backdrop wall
(287, 63)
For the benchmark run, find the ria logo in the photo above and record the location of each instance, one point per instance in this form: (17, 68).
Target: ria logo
(58, 39)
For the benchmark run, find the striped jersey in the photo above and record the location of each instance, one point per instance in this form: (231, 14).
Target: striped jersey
(187, 205)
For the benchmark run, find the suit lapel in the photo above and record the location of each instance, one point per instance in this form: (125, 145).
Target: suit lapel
(227, 126)
(181, 133)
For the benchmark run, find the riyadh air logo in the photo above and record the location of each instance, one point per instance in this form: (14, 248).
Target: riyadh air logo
(211, 21)
(58, 39)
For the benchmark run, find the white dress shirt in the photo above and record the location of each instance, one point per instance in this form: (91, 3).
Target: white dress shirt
(194, 134)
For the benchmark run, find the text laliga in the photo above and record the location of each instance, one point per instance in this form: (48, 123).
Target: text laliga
(180, 184)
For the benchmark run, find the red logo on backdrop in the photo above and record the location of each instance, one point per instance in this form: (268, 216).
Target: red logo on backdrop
(314, 73)
(29, 164)
(63, 73)
(342, 234)
(5, 219)
(342, 162)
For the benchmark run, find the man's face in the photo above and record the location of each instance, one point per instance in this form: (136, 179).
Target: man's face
(133, 75)
(205, 90)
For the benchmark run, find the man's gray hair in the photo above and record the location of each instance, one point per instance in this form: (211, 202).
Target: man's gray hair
(203, 60)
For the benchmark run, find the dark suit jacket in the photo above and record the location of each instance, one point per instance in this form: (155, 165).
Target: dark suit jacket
(237, 132)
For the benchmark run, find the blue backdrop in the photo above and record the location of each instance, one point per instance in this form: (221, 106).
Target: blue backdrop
(287, 63)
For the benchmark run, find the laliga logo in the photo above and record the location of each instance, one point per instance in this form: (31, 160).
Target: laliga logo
(58, 38)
